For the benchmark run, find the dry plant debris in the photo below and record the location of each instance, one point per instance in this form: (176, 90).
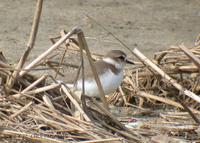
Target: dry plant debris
(38, 109)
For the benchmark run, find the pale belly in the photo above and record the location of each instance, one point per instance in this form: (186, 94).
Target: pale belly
(109, 81)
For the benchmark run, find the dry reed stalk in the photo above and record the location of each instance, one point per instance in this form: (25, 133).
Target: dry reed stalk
(36, 21)
(55, 68)
(113, 140)
(62, 59)
(193, 57)
(46, 53)
(160, 99)
(30, 45)
(189, 68)
(83, 45)
(40, 116)
(31, 137)
(132, 137)
(123, 95)
(189, 111)
(4, 65)
(82, 68)
(42, 89)
(164, 100)
(167, 78)
(56, 116)
(174, 128)
(54, 63)
(88, 127)
(74, 46)
(39, 80)
(2, 58)
(176, 116)
(177, 113)
(48, 102)
(21, 110)
(58, 121)
(74, 120)
(128, 132)
(76, 104)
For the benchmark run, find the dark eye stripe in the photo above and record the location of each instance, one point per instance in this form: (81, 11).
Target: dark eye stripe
(122, 57)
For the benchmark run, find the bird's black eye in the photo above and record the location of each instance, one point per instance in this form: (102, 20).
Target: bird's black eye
(122, 57)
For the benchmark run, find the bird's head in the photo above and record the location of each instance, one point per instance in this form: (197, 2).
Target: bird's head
(117, 58)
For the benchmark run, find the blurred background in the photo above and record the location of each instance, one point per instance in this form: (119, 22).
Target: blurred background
(151, 25)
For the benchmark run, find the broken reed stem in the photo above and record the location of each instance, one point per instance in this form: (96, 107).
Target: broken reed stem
(83, 45)
(35, 25)
(60, 63)
(167, 78)
(34, 84)
(47, 52)
(189, 111)
(56, 116)
(111, 117)
(37, 90)
(134, 138)
(43, 89)
(30, 45)
(21, 110)
(48, 102)
(82, 67)
(31, 137)
(164, 100)
(192, 56)
(84, 105)
(103, 140)
(74, 46)
(76, 104)
(2, 58)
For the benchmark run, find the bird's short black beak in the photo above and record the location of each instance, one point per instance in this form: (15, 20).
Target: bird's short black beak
(130, 62)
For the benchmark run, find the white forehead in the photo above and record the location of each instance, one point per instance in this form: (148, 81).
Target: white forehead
(113, 62)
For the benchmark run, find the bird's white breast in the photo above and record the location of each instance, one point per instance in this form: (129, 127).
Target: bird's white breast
(109, 81)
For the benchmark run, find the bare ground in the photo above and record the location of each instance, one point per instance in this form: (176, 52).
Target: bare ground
(150, 25)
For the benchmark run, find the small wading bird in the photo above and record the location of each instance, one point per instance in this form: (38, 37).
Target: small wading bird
(110, 71)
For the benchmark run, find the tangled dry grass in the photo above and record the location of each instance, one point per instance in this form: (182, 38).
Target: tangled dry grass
(157, 102)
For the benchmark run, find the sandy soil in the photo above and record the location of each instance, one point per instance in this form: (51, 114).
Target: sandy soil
(150, 25)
